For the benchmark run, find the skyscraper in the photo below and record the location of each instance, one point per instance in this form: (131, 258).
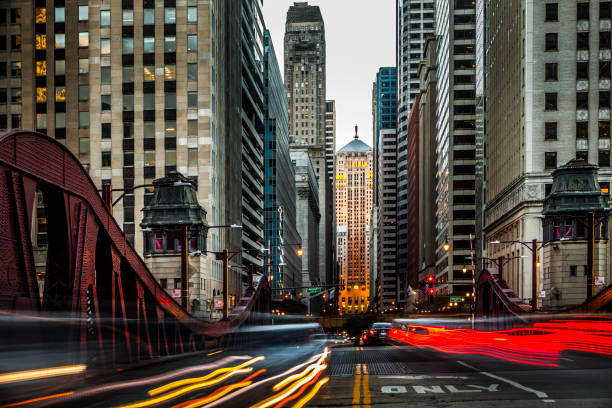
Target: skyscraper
(330, 138)
(305, 85)
(354, 199)
(455, 142)
(414, 22)
(281, 235)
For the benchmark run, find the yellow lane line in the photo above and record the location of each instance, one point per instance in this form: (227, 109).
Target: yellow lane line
(366, 391)
(357, 391)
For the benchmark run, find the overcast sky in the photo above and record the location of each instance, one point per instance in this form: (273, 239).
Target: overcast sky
(360, 38)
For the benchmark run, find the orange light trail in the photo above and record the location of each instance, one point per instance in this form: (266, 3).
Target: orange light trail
(311, 394)
(28, 375)
(214, 352)
(30, 401)
(300, 391)
(297, 376)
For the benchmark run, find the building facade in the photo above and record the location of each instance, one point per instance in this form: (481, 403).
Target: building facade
(415, 21)
(354, 200)
(455, 142)
(281, 237)
(330, 138)
(307, 214)
(305, 85)
(547, 103)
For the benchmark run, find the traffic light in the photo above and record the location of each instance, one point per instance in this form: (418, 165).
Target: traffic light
(431, 291)
(430, 278)
(300, 252)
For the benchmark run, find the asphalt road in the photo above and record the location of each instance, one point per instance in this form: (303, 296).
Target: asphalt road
(406, 376)
(385, 376)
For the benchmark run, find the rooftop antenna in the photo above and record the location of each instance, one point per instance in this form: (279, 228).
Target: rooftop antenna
(356, 136)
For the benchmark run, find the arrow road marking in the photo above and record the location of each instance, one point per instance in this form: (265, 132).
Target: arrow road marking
(539, 394)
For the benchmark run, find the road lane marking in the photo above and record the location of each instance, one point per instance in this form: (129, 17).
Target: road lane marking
(436, 389)
(452, 388)
(548, 400)
(366, 391)
(539, 394)
(358, 369)
(357, 391)
(491, 388)
(364, 369)
(393, 389)
(423, 377)
(421, 389)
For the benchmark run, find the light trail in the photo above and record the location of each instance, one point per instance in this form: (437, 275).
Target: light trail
(214, 352)
(30, 401)
(184, 390)
(300, 391)
(37, 374)
(311, 394)
(178, 383)
(290, 379)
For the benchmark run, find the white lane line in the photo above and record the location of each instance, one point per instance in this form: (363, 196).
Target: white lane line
(566, 359)
(539, 394)
(548, 400)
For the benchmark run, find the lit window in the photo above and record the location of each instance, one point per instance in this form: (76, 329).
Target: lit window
(105, 46)
(128, 17)
(149, 73)
(84, 40)
(170, 44)
(40, 15)
(83, 13)
(60, 14)
(169, 15)
(148, 16)
(170, 72)
(106, 159)
(60, 93)
(128, 45)
(60, 67)
(192, 43)
(41, 68)
(60, 40)
(15, 42)
(148, 45)
(192, 14)
(170, 129)
(41, 95)
(105, 18)
(15, 16)
(41, 41)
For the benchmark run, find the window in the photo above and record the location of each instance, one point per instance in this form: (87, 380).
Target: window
(16, 121)
(604, 158)
(170, 157)
(15, 16)
(604, 40)
(604, 129)
(83, 65)
(105, 18)
(127, 73)
(105, 131)
(40, 40)
(105, 103)
(551, 71)
(551, 42)
(582, 70)
(60, 94)
(192, 127)
(550, 131)
(192, 43)
(582, 100)
(16, 95)
(3, 96)
(192, 157)
(582, 40)
(83, 119)
(169, 15)
(170, 44)
(604, 99)
(41, 94)
(128, 102)
(83, 13)
(582, 130)
(127, 45)
(192, 99)
(84, 40)
(550, 160)
(84, 145)
(604, 10)
(128, 159)
(604, 70)
(149, 129)
(128, 17)
(573, 269)
(170, 72)
(149, 73)
(60, 120)
(148, 45)
(60, 67)
(106, 159)
(550, 102)
(105, 75)
(105, 46)
(552, 12)
(3, 122)
(148, 16)
(41, 68)
(60, 15)
(170, 100)
(192, 14)
(41, 121)
(15, 68)
(148, 102)
(60, 40)
(128, 130)
(16, 42)
(170, 128)
(149, 157)
(582, 11)
(192, 71)
(582, 155)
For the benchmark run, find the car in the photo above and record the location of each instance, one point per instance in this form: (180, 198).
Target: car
(377, 334)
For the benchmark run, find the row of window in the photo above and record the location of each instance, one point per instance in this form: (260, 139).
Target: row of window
(149, 158)
(15, 122)
(582, 100)
(551, 70)
(582, 11)
(148, 44)
(582, 130)
(551, 41)
(148, 16)
(550, 158)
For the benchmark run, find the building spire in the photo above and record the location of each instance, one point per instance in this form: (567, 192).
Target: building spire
(356, 136)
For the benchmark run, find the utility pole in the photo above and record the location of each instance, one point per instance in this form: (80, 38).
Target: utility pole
(534, 274)
(591, 255)
(225, 257)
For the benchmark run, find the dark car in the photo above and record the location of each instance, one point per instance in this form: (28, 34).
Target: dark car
(377, 334)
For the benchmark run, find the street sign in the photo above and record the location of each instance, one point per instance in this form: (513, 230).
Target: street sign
(600, 280)
(176, 293)
(455, 299)
(313, 290)
(219, 303)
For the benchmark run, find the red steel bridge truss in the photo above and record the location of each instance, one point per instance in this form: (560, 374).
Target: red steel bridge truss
(95, 283)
